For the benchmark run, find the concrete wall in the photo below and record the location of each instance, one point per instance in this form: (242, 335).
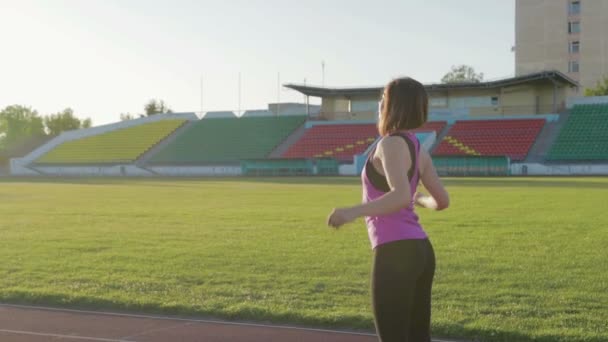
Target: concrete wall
(347, 170)
(196, 170)
(578, 100)
(335, 108)
(92, 171)
(534, 169)
(131, 171)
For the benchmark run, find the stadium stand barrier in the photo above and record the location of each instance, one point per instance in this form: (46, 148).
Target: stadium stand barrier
(586, 100)
(291, 167)
(277, 167)
(196, 170)
(537, 169)
(93, 170)
(472, 166)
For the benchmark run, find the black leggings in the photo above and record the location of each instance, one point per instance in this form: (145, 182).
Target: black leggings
(402, 278)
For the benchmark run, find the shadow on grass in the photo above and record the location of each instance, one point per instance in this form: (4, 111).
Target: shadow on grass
(254, 315)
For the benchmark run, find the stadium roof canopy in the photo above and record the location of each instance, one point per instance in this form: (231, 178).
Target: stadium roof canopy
(553, 76)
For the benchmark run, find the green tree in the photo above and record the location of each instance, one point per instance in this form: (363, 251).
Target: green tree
(129, 116)
(462, 74)
(601, 89)
(18, 123)
(64, 121)
(156, 107)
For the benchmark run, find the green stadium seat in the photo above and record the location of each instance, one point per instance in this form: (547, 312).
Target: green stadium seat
(584, 136)
(224, 140)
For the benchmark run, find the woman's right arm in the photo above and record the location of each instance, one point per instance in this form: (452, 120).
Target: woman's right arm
(439, 198)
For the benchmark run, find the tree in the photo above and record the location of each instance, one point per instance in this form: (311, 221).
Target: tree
(462, 74)
(86, 123)
(64, 121)
(129, 116)
(601, 89)
(156, 107)
(18, 123)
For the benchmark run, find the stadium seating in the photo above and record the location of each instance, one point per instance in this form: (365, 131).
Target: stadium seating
(344, 141)
(227, 140)
(584, 136)
(512, 138)
(435, 126)
(119, 146)
(341, 142)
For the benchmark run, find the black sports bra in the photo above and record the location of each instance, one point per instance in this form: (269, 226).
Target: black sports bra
(379, 181)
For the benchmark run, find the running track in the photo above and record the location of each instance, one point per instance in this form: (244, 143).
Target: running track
(37, 324)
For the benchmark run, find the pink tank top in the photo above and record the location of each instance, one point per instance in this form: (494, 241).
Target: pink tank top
(401, 225)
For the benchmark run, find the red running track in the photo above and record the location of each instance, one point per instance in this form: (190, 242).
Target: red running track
(36, 324)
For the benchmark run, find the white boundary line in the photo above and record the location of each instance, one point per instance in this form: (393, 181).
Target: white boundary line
(73, 337)
(210, 321)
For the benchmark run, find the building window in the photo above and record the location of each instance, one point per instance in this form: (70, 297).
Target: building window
(438, 102)
(574, 8)
(494, 100)
(573, 66)
(575, 47)
(574, 27)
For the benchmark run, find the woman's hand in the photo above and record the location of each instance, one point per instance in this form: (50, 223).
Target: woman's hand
(425, 201)
(340, 217)
(417, 198)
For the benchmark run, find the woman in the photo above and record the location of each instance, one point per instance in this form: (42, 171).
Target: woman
(404, 261)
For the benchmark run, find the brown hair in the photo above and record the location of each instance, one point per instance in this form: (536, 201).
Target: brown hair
(405, 105)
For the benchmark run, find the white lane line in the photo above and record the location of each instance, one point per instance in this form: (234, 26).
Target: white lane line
(73, 337)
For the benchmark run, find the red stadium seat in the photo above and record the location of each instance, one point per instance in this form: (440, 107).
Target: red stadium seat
(342, 141)
(512, 138)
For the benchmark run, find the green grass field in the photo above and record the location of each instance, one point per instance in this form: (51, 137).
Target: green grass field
(518, 259)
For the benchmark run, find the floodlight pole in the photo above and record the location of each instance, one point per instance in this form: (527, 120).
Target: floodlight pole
(239, 109)
(278, 93)
(323, 73)
(202, 108)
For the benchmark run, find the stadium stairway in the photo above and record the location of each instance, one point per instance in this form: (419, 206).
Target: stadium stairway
(440, 135)
(290, 140)
(545, 139)
(142, 160)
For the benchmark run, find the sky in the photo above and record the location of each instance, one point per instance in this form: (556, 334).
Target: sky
(107, 57)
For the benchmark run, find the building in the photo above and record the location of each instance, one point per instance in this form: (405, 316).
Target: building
(537, 93)
(565, 35)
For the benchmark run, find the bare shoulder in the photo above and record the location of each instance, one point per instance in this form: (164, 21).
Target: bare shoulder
(391, 143)
(393, 146)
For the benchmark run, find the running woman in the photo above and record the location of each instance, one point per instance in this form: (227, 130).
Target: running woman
(403, 257)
